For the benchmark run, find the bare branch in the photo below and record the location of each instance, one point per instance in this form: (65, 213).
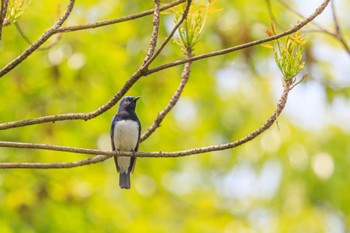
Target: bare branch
(140, 72)
(42, 39)
(293, 29)
(83, 162)
(173, 99)
(87, 116)
(115, 21)
(103, 155)
(58, 29)
(53, 148)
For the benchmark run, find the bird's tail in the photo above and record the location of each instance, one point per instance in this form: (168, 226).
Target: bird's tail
(124, 180)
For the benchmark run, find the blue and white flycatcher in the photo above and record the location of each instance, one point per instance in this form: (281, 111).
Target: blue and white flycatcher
(125, 136)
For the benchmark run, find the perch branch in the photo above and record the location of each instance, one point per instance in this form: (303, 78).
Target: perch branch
(103, 155)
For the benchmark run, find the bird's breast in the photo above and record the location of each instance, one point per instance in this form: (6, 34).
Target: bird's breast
(126, 133)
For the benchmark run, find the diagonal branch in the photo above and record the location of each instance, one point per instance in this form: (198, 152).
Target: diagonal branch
(87, 116)
(139, 73)
(293, 29)
(24, 36)
(57, 28)
(337, 34)
(171, 34)
(173, 99)
(42, 39)
(115, 21)
(103, 155)
(79, 163)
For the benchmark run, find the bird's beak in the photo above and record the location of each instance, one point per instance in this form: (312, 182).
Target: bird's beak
(136, 98)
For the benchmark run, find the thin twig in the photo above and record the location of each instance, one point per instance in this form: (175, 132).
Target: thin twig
(173, 100)
(42, 39)
(139, 73)
(103, 155)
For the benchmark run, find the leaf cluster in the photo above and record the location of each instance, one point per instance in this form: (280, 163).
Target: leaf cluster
(192, 28)
(15, 9)
(288, 55)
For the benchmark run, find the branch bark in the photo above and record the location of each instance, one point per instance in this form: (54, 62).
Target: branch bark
(293, 29)
(337, 34)
(146, 72)
(87, 116)
(57, 28)
(103, 155)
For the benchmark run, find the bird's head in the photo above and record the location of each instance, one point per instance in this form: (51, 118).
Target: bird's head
(128, 103)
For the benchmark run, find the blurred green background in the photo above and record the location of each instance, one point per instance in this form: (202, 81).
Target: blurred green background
(294, 178)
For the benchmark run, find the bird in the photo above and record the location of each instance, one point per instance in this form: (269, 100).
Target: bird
(125, 136)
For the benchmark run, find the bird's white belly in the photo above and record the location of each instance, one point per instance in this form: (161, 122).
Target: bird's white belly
(126, 133)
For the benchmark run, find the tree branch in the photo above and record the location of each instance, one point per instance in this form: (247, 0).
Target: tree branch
(79, 163)
(139, 73)
(337, 34)
(42, 39)
(21, 32)
(87, 116)
(103, 155)
(4, 5)
(115, 21)
(58, 29)
(293, 29)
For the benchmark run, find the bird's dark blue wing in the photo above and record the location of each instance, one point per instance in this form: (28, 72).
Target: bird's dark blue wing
(138, 140)
(116, 118)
